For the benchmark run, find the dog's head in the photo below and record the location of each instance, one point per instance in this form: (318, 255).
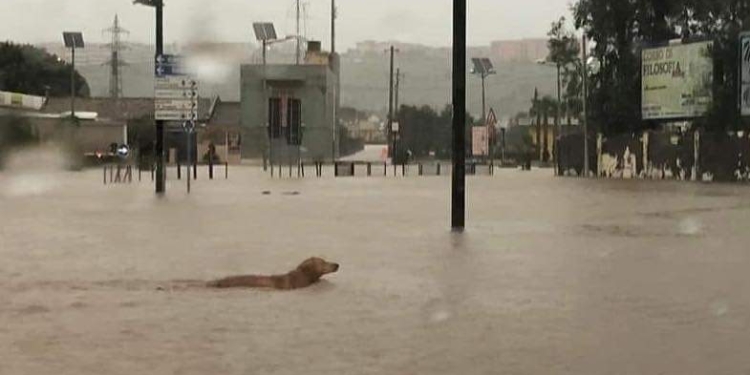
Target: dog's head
(314, 268)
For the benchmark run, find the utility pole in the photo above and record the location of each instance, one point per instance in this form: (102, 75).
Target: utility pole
(298, 36)
(458, 183)
(391, 136)
(333, 27)
(585, 114)
(398, 85)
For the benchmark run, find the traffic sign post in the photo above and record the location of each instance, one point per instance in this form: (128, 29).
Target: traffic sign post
(189, 127)
(175, 94)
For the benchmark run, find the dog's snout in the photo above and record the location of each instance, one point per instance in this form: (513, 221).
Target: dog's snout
(335, 267)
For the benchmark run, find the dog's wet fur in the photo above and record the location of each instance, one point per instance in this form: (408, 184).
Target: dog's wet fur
(307, 273)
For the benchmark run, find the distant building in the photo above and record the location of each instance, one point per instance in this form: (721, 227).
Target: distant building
(287, 110)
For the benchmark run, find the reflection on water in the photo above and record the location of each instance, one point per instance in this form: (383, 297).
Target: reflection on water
(553, 276)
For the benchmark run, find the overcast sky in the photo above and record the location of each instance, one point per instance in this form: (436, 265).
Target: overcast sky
(419, 21)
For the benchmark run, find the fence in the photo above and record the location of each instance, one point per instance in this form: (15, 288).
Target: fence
(696, 156)
(123, 173)
(375, 169)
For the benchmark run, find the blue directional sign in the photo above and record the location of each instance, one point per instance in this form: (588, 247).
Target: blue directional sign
(168, 65)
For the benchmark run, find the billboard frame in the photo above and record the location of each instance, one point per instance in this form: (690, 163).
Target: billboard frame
(650, 45)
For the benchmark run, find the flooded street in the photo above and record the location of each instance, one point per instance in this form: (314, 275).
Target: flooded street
(553, 276)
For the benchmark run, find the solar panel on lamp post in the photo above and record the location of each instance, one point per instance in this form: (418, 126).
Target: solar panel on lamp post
(483, 67)
(73, 40)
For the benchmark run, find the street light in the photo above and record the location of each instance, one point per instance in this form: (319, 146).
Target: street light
(160, 173)
(73, 40)
(458, 179)
(483, 68)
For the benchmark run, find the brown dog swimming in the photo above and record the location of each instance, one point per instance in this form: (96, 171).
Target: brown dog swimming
(307, 273)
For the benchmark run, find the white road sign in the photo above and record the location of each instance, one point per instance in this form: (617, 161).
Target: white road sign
(175, 105)
(176, 98)
(175, 94)
(176, 115)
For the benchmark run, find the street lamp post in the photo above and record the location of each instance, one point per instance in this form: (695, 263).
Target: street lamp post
(160, 172)
(73, 40)
(585, 107)
(458, 181)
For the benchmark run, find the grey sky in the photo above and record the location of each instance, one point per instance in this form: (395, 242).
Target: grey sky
(420, 21)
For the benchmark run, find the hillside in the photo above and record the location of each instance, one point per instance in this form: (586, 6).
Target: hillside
(426, 80)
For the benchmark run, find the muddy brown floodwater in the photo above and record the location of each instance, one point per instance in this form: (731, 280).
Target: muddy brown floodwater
(553, 276)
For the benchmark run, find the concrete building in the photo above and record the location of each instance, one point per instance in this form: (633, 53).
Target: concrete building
(284, 104)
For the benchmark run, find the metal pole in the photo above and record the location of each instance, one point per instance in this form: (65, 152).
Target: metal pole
(390, 109)
(73, 83)
(189, 158)
(558, 128)
(458, 188)
(160, 175)
(333, 27)
(585, 113)
(484, 102)
(396, 92)
(298, 36)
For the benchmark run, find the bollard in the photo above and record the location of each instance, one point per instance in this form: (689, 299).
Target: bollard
(403, 170)
(351, 169)
(302, 168)
(210, 168)
(105, 175)
(320, 169)
(152, 172)
(369, 169)
(195, 171)
(385, 169)
(438, 169)
(226, 170)
(335, 169)
(179, 171)
(420, 169)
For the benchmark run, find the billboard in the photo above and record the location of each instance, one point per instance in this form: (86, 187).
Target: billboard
(480, 141)
(676, 81)
(745, 74)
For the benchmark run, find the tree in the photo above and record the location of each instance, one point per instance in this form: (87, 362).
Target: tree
(30, 70)
(425, 131)
(619, 28)
(564, 52)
